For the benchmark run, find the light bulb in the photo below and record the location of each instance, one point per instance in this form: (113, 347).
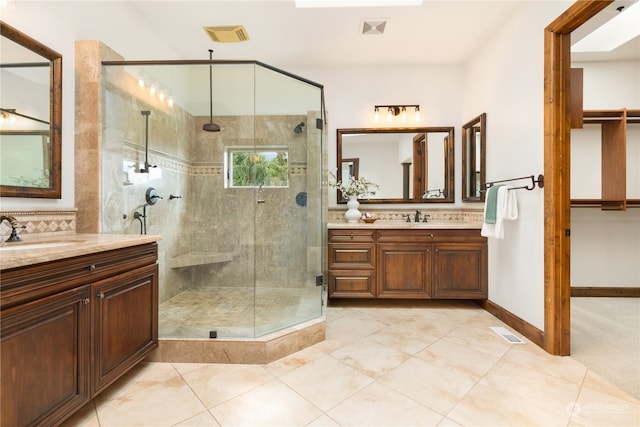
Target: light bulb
(376, 115)
(170, 102)
(404, 114)
(141, 83)
(152, 90)
(417, 116)
(389, 115)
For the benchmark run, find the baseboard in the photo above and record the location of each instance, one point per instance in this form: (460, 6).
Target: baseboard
(595, 291)
(532, 333)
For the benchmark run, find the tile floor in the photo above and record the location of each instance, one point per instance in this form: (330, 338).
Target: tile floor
(237, 312)
(412, 364)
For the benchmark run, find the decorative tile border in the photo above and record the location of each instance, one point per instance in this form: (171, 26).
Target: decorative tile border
(134, 153)
(41, 222)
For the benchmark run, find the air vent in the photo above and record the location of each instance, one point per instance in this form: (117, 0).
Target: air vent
(506, 335)
(227, 34)
(373, 26)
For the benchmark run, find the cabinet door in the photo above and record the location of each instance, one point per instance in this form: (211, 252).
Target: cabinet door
(126, 322)
(404, 271)
(45, 358)
(460, 270)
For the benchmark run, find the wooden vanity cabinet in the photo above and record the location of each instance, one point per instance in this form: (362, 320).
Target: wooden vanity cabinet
(404, 270)
(408, 263)
(45, 359)
(460, 270)
(351, 263)
(71, 327)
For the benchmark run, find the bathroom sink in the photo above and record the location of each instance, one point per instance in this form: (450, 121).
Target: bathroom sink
(22, 246)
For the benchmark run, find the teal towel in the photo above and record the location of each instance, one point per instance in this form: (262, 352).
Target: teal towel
(491, 204)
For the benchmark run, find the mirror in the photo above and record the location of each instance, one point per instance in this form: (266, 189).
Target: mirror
(474, 142)
(30, 117)
(411, 165)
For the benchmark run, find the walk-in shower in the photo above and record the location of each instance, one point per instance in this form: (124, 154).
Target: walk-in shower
(241, 209)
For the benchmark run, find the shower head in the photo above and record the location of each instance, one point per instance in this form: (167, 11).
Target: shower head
(211, 127)
(299, 128)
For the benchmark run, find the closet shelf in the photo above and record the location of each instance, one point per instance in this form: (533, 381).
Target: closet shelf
(605, 204)
(199, 258)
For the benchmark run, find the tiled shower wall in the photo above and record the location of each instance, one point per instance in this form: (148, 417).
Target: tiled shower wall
(271, 244)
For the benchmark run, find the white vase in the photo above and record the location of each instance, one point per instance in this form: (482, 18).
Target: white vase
(352, 214)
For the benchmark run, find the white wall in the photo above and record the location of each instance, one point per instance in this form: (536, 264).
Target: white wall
(605, 245)
(506, 81)
(352, 92)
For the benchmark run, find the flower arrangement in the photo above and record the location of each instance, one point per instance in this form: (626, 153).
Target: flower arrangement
(360, 187)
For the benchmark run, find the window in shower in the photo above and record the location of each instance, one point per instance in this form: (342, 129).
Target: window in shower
(246, 167)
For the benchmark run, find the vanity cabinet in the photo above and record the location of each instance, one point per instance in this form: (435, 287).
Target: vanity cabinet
(407, 263)
(351, 263)
(71, 327)
(405, 270)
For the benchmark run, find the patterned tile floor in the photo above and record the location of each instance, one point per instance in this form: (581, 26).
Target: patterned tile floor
(406, 364)
(236, 312)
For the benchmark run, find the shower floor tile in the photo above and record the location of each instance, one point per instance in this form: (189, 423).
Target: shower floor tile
(233, 312)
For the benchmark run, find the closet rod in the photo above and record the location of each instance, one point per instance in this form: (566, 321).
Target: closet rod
(532, 186)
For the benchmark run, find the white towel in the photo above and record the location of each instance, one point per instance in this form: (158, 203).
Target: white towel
(506, 208)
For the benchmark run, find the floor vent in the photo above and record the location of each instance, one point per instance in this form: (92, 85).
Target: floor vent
(506, 335)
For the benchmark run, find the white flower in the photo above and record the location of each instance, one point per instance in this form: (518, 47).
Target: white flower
(360, 187)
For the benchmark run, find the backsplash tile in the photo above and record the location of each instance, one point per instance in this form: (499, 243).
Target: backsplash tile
(41, 222)
(463, 215)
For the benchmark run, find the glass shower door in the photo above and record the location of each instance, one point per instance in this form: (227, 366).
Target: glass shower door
(288, 214)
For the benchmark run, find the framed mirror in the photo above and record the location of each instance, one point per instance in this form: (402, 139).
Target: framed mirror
(474, 144)
(30, 117)
(411, 165)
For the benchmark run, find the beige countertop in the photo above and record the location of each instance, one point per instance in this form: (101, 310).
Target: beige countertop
(402, 225)
(32, 250)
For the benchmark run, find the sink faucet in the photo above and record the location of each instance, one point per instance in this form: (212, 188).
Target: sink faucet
(416, 218)
(14, 226)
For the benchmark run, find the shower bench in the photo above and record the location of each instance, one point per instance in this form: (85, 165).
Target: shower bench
(199, 258)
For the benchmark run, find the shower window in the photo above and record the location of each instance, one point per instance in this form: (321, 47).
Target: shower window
(253, 168)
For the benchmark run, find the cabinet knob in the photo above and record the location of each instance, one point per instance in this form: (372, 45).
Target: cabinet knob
(91, 267)
(100, 295)
(352, 284)
(86, 301)
(436, 249)
(431, 235)
(351, 235)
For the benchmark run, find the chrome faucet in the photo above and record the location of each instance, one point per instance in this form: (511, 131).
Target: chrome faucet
(416, 218)
(14, 227)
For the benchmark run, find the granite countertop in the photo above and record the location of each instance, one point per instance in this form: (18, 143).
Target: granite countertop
(32, 250)
(393, 224)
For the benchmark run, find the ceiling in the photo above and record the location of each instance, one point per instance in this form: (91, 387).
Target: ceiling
(437, 32)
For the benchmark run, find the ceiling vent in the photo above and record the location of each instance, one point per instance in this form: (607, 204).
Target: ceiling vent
(227, 34)
(373, 26)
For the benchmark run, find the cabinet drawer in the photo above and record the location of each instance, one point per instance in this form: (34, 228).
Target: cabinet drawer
(430, 236)
(24, 284)
(351, 235)
(354, 255)
(351, 283)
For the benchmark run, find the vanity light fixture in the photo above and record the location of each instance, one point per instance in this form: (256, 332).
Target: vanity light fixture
(396, 110)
